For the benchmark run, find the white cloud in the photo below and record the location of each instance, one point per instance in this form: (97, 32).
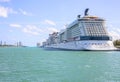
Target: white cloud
(33, 30)
(114, 35)
(15, 25)
(49, 22)
(114, 32)
(24, 12)
(51, 30)
(5, 11)
(4, 0)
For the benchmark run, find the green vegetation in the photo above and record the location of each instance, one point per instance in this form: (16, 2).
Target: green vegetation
(117, 43)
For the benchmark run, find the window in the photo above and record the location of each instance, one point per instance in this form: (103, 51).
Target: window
(95, 38)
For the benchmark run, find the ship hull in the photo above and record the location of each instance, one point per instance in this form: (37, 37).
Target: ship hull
(84, 45)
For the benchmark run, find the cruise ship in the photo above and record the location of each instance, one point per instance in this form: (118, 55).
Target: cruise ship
(85, 33)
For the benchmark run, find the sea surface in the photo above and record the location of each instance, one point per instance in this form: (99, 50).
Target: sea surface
(41, 65)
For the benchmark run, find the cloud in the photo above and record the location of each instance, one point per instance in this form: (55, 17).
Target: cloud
(24, 12)
(4, 0)
(15, 25)
(114, 32)
(51, 29)
(33, 30)
(114, 35)
(5, 11)
(49, 22)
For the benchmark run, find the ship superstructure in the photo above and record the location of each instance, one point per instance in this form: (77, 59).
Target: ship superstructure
(85, 33)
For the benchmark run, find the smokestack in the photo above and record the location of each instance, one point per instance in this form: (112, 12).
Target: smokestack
(86, 12)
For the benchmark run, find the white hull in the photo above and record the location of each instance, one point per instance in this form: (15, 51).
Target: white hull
(84, 45)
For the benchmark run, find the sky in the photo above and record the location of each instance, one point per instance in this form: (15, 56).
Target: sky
(31, 21)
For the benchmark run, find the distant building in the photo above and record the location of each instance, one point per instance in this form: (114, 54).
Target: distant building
(19, 44)
(1, 43)
(38, 44)
(4, 43)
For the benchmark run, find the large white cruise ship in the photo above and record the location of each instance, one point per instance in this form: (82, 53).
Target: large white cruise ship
(85, 33)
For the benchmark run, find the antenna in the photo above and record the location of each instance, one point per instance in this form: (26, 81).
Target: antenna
(78, 16)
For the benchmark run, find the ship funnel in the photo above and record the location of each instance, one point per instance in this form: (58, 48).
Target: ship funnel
(86, 12)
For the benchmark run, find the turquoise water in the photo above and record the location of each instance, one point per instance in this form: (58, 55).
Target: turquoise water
(39, 65)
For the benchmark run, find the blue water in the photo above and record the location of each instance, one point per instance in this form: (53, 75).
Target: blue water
(40, 65)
